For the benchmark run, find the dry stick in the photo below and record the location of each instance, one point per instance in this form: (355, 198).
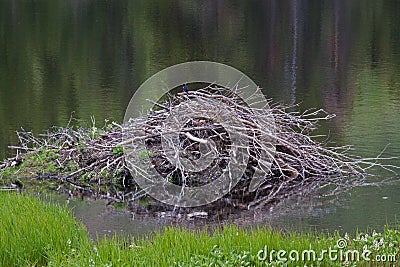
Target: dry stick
(22, 148)
(158, 104)
(199, 140)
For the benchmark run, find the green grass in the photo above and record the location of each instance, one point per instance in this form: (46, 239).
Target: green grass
(33, 233)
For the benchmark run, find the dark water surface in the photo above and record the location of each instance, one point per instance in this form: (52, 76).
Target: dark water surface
(88, 58)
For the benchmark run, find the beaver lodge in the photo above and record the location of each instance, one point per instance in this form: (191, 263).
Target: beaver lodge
(282, 159)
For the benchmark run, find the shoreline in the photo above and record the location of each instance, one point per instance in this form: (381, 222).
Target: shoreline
(49, 236)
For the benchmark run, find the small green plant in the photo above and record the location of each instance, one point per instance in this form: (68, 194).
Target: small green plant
(108, 126)
(118, 151)
(81, 145)
(119, 205)
(70, 166)
(221, 258)
(104, 173)
(8, 172)
(95, 132)
(144, 202)
(379, 243)
(145, 154)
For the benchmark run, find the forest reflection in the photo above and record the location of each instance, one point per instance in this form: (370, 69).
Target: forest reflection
(88, 57)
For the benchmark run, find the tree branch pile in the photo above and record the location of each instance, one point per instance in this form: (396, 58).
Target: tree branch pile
(189, 141)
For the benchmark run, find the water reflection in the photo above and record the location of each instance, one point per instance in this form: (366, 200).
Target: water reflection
(88, 57)
(103, 219)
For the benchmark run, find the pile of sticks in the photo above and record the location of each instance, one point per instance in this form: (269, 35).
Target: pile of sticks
(190, 139)
(278, 141)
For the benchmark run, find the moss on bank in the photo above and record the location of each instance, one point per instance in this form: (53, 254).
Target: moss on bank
(75, 160)
(36, 234)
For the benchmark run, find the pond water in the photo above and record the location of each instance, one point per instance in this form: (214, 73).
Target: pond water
(88, 57)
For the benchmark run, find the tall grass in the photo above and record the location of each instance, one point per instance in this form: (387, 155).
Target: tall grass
(230, 246)
(180, 247)
(33, 233)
